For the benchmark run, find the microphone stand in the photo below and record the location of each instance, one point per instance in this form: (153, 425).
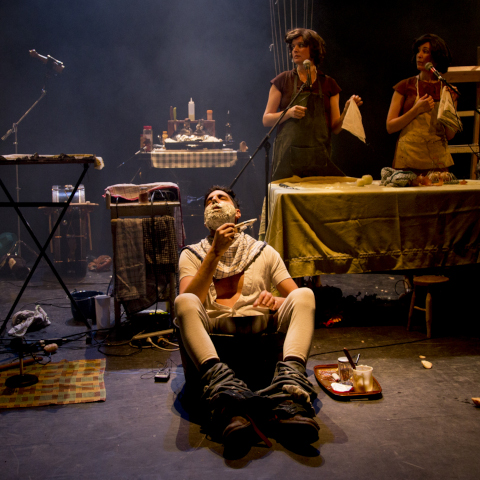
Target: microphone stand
(455, 89)
(266, 144)
(133, 156)
(14, 130)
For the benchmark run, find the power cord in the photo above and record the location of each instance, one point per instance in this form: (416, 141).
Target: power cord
(163, 340)
(373, 346)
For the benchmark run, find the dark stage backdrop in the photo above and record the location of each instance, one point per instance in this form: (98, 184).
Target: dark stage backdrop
(128, 62)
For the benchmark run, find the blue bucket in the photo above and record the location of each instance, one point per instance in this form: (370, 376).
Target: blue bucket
(85, 301)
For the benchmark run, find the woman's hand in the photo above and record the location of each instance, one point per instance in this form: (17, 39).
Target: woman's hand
(395, 121)
(454, 94)
(425, 104)
(354, 98)
(267, 300)
(335, 117)
(297, 112)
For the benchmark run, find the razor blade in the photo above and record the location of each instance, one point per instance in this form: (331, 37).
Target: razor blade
(244, 225)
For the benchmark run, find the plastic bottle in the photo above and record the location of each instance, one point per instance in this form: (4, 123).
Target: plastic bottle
(209, 114)
(147, 138)
(191, 109)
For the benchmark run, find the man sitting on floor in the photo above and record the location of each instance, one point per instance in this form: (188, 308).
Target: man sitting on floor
(231, 274)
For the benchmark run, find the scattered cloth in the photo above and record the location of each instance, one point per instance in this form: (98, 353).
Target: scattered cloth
(98, 163)
(100, 264)
(396, 178)
(353, 121)
(24, 319)
(11, 263)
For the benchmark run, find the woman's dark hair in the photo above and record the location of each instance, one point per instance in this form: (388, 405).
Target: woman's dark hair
(311, 39)
(440, 53)
(227, 190)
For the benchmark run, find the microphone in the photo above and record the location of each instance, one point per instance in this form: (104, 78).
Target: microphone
(429, 66)
(306, 65)
(53, 64)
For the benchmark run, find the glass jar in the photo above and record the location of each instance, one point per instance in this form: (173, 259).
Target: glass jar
(143, 195)
(147, 138)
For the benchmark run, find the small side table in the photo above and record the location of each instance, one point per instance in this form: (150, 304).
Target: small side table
(73, 237)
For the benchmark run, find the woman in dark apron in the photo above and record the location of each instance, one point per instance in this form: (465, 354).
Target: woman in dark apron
(303, 143)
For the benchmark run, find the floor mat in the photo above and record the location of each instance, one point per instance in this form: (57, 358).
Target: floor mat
(61, 383)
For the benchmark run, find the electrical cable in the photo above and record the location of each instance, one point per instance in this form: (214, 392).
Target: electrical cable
(164, 340)
(149, 340)
(371, 347)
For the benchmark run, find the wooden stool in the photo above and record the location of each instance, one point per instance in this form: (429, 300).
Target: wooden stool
(428, 281)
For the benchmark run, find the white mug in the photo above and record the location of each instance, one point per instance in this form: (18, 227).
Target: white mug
(363, 379)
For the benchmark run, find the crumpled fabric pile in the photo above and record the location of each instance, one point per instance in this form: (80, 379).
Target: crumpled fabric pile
(24, 319)
(396, 178)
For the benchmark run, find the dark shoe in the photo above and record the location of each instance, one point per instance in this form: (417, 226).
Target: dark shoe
(231, 408)
(298, 429)
(294, 423)
(239, 432)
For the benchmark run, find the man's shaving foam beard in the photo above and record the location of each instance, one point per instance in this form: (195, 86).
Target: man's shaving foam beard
(215, 218)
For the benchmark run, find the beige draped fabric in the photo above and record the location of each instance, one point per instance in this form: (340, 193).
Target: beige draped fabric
(321, 228)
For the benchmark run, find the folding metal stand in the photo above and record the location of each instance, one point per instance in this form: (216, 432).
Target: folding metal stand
(86, 160)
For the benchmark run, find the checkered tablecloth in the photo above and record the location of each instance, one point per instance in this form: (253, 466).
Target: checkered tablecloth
(194, 159)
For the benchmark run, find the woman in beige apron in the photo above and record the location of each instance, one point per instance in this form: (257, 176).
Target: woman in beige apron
(423, 142)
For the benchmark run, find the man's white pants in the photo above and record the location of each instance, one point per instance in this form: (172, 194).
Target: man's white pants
(296, 318)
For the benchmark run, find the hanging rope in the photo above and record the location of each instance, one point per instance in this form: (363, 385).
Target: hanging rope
(284, 18)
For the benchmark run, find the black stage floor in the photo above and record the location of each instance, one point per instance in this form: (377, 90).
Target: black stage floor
(425, 425)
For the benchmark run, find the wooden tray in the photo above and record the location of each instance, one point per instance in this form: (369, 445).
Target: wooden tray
(323, 375)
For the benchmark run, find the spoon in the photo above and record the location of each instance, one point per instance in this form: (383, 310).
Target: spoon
(347, 354)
